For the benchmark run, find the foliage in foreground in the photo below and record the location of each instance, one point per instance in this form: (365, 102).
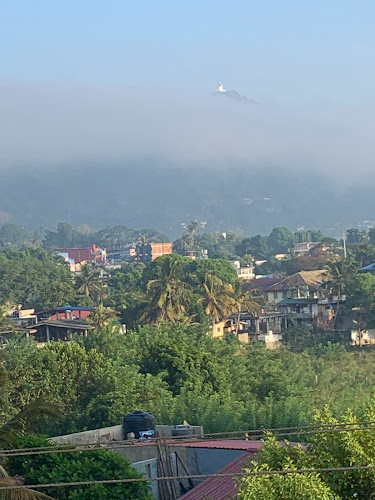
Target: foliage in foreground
(324, 450)
(79, 466)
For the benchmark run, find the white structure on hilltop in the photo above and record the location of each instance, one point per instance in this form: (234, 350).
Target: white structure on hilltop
(220, 87)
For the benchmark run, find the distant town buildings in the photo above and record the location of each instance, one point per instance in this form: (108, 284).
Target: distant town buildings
(92, 254)
(151, 251)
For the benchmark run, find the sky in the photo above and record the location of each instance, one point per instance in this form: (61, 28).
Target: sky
(276, 49)
(88, 78)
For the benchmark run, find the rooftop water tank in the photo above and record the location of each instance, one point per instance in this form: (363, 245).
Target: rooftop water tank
(138, 422)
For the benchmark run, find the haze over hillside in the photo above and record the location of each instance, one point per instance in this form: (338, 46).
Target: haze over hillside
(147, 193)
(105, 155)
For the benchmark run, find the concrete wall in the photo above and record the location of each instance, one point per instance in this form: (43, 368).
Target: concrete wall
(149, 468)
(103, 435)
(114, 433)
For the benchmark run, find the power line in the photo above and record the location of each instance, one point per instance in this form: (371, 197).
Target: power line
(169, 442)
(192, 476)
(255, 433)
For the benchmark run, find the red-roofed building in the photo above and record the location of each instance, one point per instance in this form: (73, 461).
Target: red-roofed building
(92, 254)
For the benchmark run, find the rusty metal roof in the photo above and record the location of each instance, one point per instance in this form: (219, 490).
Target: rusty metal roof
(225, 444)
(220, 488)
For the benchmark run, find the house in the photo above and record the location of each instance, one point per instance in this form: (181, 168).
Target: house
(304, 284)
(60, 323)
(246, 272)
(65, 312)
(23, 317)
(149, 457)
(305, 247)
(300, 309)
(58, 329)
(151, 251)
(75, 256)
(121, 253)
(267, 327)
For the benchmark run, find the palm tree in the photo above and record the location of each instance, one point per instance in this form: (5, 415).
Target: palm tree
(25, 420)
(217, 298)
(102, 316)
(244, 301)
(168, 295)
(89, 282)
(143, 239)
(183, 245)
(336, 283)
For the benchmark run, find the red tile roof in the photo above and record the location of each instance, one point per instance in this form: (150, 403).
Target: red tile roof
(219, 488)
(225, 444)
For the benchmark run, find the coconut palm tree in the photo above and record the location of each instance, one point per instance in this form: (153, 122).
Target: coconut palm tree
(183, 245)
(337, 278)
(217, 298)
(24, 421)
(168, 295)
(102, 316)
(90, 283)
(244, 301)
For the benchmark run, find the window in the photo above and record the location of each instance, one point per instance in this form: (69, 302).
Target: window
(285, 295)
(275, 295)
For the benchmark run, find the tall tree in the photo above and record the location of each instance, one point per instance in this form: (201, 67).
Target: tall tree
(244, 301)
(89, 282)
(217, 298)
(281, 240)
(168, 294)
(24, 421)
(102, 316)
(339, 271)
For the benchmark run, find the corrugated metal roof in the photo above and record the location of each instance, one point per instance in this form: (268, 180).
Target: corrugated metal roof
(225, 444)
(311, 279)
(219, 488)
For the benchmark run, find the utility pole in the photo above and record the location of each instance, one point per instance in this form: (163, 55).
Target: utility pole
(344, 239)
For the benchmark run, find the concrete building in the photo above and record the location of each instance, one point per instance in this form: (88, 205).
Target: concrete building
(243, 272)
(189, 455)
(305, 247)
(304, 284)
(74, 256)
(151, 251)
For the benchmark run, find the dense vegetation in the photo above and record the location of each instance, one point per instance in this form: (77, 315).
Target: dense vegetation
(179, 373)
(350, 447)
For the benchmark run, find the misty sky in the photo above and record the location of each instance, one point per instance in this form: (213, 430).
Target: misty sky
(89, 79)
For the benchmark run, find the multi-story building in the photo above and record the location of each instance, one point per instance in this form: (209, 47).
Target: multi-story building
(151, 251)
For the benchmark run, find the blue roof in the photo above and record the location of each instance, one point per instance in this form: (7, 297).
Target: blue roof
(370, 267)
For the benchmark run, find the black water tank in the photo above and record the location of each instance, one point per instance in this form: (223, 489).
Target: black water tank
(136, 422)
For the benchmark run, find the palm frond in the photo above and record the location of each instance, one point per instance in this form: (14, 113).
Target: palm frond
(28, 419)
(18, 494)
